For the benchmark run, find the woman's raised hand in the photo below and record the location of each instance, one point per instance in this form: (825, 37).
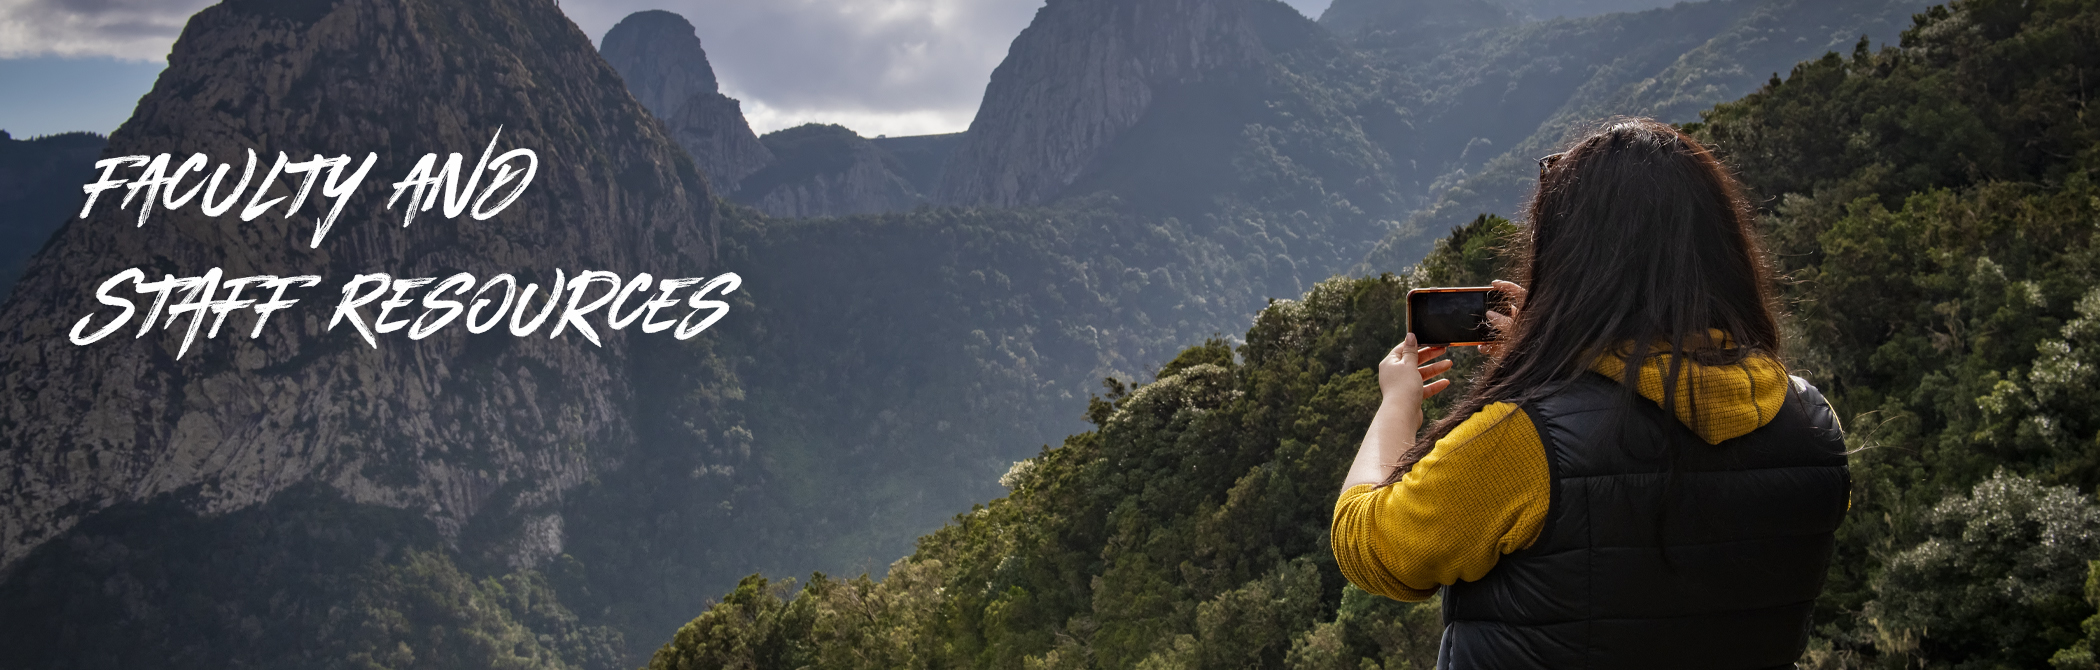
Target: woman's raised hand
(1502, 322)
(1402, 373)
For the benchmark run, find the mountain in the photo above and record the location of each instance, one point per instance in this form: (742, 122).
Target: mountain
(893, 365)
(1933, 204)
(1100, 65)
(38, 191)
(889, 367)
(658, 54)
(1409, 118)
(827, 170)
(302, 495)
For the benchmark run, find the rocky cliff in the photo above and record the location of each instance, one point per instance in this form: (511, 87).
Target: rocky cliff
(457, 429)
(827, 170)
(1079, 76)
(659, 55)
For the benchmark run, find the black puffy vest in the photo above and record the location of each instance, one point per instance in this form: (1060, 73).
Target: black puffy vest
(1722, 575)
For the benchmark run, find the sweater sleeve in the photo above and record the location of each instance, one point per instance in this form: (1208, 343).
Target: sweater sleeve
(1481, 492)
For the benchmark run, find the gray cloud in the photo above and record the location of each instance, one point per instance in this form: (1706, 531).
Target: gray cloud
(127, 29)
(878, 66)
(1310, 8)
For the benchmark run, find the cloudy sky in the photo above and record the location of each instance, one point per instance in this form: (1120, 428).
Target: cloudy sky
(880, 67)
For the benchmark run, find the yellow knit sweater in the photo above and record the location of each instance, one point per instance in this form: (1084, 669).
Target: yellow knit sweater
(1483, 489)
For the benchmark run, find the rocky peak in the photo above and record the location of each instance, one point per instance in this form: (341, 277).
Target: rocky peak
(455, 427)
(658, 54)
(1082, 73)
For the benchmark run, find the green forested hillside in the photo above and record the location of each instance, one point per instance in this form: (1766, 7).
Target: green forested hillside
(1932, 205)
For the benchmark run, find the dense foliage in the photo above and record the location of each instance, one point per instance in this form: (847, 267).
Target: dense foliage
(1933, 207)
(1934, 204)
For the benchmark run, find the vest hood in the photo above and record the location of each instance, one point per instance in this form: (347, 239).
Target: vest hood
(1718, 402)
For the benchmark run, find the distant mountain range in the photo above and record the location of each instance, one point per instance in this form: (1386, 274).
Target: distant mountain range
(1418, 114)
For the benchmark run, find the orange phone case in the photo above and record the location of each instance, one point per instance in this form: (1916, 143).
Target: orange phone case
(1459, 289)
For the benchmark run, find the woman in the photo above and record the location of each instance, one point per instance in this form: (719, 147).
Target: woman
(1576, 515)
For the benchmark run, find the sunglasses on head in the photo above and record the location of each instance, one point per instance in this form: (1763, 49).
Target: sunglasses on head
(1546, 163)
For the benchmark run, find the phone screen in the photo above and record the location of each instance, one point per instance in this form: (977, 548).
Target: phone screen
(1450, 316)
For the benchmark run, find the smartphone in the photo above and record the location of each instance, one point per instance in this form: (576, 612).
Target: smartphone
(1452, 317)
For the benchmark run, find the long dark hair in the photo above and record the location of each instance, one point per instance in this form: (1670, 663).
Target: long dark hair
(1637, 234)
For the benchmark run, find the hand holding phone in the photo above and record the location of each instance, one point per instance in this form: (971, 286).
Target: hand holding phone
(1504, 318)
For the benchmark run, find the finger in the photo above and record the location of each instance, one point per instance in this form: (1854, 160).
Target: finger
(1511, 288)
(1516, 294)
(1497, 319)
(1434, 369)
(1429, 353)
(1430, 389)
(1408, 355)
